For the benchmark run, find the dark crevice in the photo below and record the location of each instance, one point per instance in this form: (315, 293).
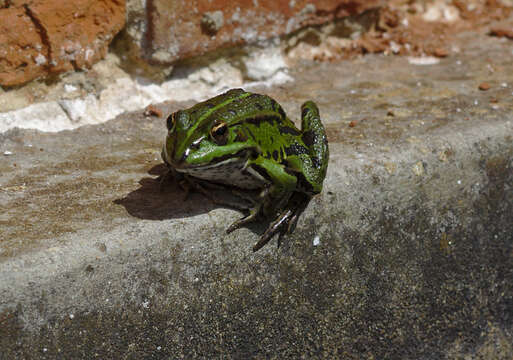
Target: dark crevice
(147, 40)
(75, 65)
(43, 33)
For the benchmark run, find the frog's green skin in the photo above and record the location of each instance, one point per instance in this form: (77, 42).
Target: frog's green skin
(245, 140)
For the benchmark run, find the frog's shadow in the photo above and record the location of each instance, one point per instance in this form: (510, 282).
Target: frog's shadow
(151, 201)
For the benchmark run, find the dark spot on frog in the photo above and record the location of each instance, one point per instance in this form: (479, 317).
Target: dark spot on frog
(295, 149)
(275, 155)
(281, 111)
(273, 104)
(257, 120)
(315, 162)
(309, 138)
(260, 170)
(289, 130)
(303, 183)
(305, 112)
(251, 134)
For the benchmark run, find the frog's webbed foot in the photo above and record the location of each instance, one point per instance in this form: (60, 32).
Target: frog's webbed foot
(286, 221)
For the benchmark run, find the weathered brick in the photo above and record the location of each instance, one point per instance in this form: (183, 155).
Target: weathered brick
(62, 35)
(23, 55)
(179, 29)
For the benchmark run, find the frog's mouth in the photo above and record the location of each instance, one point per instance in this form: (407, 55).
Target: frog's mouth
(221, 161)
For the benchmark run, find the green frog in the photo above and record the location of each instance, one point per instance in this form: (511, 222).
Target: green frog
(246, 141)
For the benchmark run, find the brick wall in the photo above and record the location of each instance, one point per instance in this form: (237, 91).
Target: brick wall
(41, 38)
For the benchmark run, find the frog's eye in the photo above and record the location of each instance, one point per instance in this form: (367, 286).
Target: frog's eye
(180, 119)
(219, 133)
(170, 122)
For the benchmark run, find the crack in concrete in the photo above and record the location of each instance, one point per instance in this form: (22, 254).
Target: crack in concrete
(44, 36)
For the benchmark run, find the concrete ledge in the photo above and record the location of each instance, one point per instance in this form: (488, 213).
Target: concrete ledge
(407, 253)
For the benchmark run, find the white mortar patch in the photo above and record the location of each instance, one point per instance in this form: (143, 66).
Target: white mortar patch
(131, 94)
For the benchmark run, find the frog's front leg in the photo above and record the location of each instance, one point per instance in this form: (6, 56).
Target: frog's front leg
(169, 175)
(273, 198)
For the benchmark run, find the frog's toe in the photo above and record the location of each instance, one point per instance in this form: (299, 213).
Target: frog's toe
(253, 214)
(278, 226)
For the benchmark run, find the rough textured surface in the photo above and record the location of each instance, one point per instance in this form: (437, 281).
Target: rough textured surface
(180, 29)
(23, 54)
(407, 253)
(55, 36)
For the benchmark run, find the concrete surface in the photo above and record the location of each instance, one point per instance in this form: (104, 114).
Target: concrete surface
(407, 253)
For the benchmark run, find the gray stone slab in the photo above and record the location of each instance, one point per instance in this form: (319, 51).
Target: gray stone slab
(407, 253)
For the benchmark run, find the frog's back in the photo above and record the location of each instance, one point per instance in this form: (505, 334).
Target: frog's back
(244, 107)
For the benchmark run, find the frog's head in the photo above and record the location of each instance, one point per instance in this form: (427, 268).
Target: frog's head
(196, 139)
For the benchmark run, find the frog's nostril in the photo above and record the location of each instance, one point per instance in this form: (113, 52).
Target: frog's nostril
(196, 144)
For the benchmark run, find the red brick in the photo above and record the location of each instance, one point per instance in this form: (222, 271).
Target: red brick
(74, 35)
(175, 28)
(20, 46)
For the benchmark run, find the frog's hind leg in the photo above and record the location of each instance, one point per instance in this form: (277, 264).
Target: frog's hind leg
(314, 137)
(287, 221)
(277, 226)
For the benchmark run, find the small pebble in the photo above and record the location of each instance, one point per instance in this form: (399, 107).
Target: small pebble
(7, 152)
(352, 123)
(316, 240)
(441, 52)
(484, 86)
(152, 111)
(418, 168)
(69, 87)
